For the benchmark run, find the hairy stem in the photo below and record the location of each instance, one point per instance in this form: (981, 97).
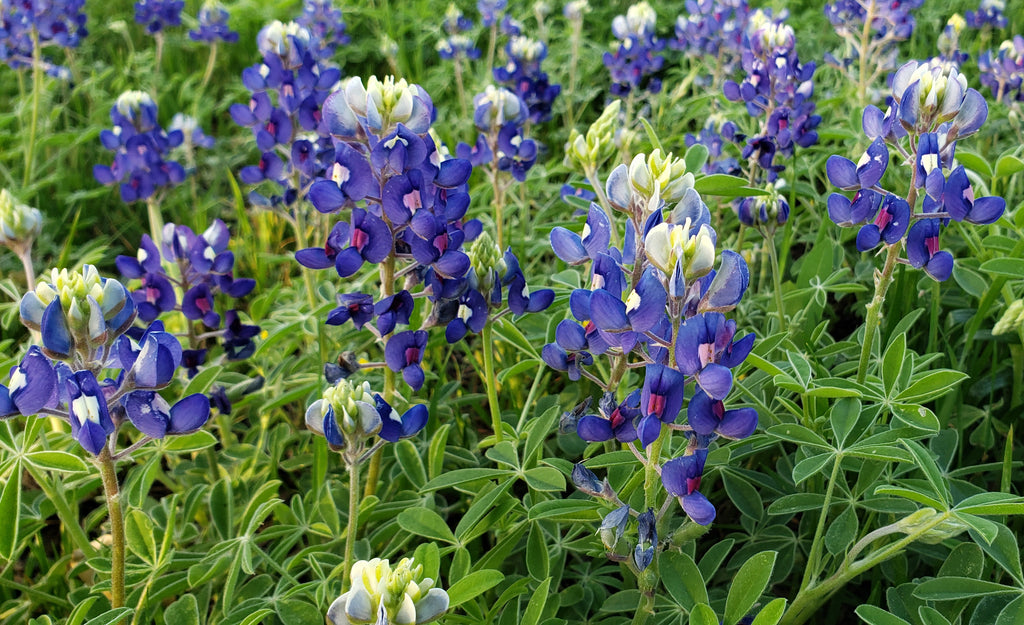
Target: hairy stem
(874, 310)
(37, 87)
(112, 493)
(352, 525)
(490, 381)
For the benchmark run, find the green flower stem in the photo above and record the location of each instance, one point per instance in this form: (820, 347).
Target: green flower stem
(387, 289)
(37, 87)
(156, 220)
(159, 37)
(352, 524)
(809, 600)
(210, 63)
(487, 338)
(67, 515)
(461, 88)
(491, 45)
(773, 258)
(570, 110)
(112, 493)
(813, 559)
(865, 43)
(874, 310)
(645, 608)
(25, 255)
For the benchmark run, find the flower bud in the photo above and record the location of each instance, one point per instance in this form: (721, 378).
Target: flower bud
(575, 10)
(380, 593)
(287, 41)
(497, 106)
(668, 244)
(1012, 319)
(19, 224)
(639, 21)
(486, 259)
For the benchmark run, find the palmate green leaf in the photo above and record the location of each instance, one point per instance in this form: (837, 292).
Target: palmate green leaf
(203, 380)
(295, 612)
(916, 416)
(538, 562)
(893, 361)
(797, 502)
(459, 477)
(725, 185)
(534, 609)
(682, 579)
(877, 616)
(566, 510)
(772, 613)
(953, 588)
(747, 586)
(184, 611)
(473, 585)
(992, 503)
(986, 530)
(1009, 267)
(745, 496)
(1004, 550)
(843, 417)
(426, 523)
(188, 443)
(1008, 164)
(411, 462)
(842, 531)
(10, 512)
(110, 617)
(931, 385)
(810, 466)
(139, 535)
(931, 616)
(798, 434)
(702, 614)
(1013, 613)
(545, 479)
(695, 158)
(910, 494)
(889, 453)
(54, 460)
(926, 463)
(974, 162)
(479, 509)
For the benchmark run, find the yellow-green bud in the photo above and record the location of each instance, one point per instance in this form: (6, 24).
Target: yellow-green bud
(486, 258)
(19, 224)
(401, 593)
(1012, 319)
(657, 178)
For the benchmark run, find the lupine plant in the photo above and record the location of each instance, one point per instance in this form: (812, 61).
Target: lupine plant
(565, 390)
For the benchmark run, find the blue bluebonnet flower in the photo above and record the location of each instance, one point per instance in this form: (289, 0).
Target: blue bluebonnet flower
(326, 27)
(708, 416)
(1002, 70)
(712, 30)
(205, 268)
(140, 149)
(288, 89)
(404, 354)
(778, 87)
(524, 77)
(156, 15)
(617, 420)
(930, 110)
(681, 477)
(989, 15)
(490, 11)
(457, 44)
(82, 323)
(213, 24)
(892, 21)
(637, 60)
(348, 415)
(192, 132)
(59, 23)
(647, 540)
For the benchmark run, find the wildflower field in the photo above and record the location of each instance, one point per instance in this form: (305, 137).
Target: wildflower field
(702, 312)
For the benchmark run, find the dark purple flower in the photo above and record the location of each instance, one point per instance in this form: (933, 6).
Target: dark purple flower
(681, 478)
(394, 427)
(355, 306)
(708, 416)
(152, 415)
(393, 310)
(87, 408)
(617, 420)
(889, 225)
(157, 15)
(923, 250)
(958, 198)
(576, 249)
(705, 350)
(404, 353)
(213, 25)
(660, 401)
(33, 386)
(866, 173)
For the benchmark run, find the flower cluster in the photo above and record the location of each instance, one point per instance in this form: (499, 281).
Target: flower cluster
(348, 416)
(657, 303)
(989, 15)
(524, 77)
(713, 29)
(156, 15)
(636, 59)
(491, 11)
(500, 116)
(930, 109)
(382, 594)
(326, 27)
(140, 148)
(288, 89)
(203, 268)
(82, 319)
(404, 201)
(1002, 70)
(779, 87)
(891, 21)
(213, 24)
(24, 25)
(457, 44)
